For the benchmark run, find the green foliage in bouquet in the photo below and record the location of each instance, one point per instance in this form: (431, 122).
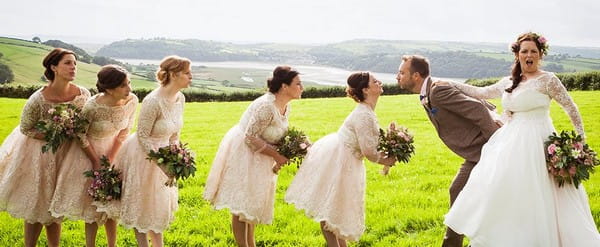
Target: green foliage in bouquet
(396, 142)
(293, 145)
(106, 182)
(64, 124)
(176, 160)
(568, 159)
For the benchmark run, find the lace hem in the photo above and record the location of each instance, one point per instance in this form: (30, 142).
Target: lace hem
(335, 229)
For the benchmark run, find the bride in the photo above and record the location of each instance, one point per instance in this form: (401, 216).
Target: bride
(510, 199)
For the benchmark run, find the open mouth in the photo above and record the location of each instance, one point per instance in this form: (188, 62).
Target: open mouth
(529, 62)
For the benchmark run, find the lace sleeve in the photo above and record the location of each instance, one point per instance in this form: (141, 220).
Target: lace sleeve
(259, 120)
(87, 113)
(131, 119)
(557, 91)
(148, 114)
(367, 133)
(30, 116)
(489, 92)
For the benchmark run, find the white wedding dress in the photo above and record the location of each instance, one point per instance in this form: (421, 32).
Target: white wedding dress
(510, 199)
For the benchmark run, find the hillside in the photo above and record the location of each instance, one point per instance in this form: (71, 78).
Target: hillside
(448, 59)
(25, 60)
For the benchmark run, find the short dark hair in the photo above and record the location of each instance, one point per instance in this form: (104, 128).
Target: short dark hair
(281, 75)
(53, 58)
(110, 76)
(417, 64)
(356, 83)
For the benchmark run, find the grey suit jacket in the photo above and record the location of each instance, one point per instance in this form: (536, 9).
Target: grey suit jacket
(463, 123)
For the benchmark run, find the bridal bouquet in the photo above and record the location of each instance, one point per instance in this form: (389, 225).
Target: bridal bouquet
(397, 142)
(64, 124)
(106, 182)
(568, 159)
(294, 146)
(176, 160)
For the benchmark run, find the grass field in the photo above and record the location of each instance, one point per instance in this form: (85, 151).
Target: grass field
(405, 208)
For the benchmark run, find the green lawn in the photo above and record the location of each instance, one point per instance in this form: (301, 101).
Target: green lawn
(406, 208)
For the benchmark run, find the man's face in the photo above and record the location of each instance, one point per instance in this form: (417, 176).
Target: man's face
(405, 79)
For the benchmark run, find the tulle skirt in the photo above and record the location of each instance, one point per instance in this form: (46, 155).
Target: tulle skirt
(147, 204)
(28, 177)
(242, 180)
(511, 200)
(71, 198)
(330, 187)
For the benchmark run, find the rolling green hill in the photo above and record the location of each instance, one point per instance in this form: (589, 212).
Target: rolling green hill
(448, 59)
(25, 60)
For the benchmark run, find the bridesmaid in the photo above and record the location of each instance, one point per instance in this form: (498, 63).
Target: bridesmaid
(242, 176)
(29, 176)
(110, 114)
(330, 184)
(147, 205)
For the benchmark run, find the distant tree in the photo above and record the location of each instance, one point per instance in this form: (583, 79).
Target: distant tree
(36, 39)
(82, 55)
(1, 54)
(151, 76)
(6, 74)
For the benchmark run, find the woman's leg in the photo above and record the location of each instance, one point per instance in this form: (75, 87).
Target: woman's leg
(331, 239)
(142, 238)
(111, 232)
(90, 234)
(53, 234)
(156, 238)
(32, 233)
(240, 231)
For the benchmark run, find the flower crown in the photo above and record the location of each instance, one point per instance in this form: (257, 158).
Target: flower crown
(514, 47)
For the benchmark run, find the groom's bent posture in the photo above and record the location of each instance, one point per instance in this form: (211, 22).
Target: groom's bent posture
(463, 123)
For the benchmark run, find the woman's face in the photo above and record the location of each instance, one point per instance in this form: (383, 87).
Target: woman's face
(122, 91)
(529, 57)
(183, 79)
(375, 87)
(294, 90)
(66, 69)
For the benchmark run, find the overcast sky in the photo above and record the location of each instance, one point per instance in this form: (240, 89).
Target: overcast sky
(568, 22)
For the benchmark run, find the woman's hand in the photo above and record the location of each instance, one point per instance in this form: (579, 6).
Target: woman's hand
(280, 160)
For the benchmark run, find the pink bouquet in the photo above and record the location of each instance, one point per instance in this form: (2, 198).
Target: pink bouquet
(568, 159)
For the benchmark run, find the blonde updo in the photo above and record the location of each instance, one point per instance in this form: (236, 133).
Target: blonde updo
(171, 65)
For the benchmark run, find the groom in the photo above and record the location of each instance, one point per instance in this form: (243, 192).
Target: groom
(463, 123)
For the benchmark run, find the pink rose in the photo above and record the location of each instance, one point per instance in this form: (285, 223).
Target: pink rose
(108, 198)
(542, 40)
(96, 173)
(303, 145)
(572, 170)
(551, 149)
(52, 110)
(392, 126)
(578, 146)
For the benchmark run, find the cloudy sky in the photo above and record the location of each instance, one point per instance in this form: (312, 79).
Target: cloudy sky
(566, 22)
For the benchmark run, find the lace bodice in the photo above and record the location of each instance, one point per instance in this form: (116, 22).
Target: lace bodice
(262, 119)
(547, 86)
(360, 132)
(160, 119)
(108, 121)
(36, 108)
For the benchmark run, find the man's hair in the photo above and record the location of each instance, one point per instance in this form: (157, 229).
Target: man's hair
(417, 64)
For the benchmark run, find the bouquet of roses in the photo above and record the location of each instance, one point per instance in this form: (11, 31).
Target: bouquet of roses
(568, 159)
(397, 142)
(294, 146)
(106, 182)
(176, 160)
(64, 124)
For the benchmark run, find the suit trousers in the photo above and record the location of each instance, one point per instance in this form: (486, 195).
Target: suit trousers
(453, 239)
